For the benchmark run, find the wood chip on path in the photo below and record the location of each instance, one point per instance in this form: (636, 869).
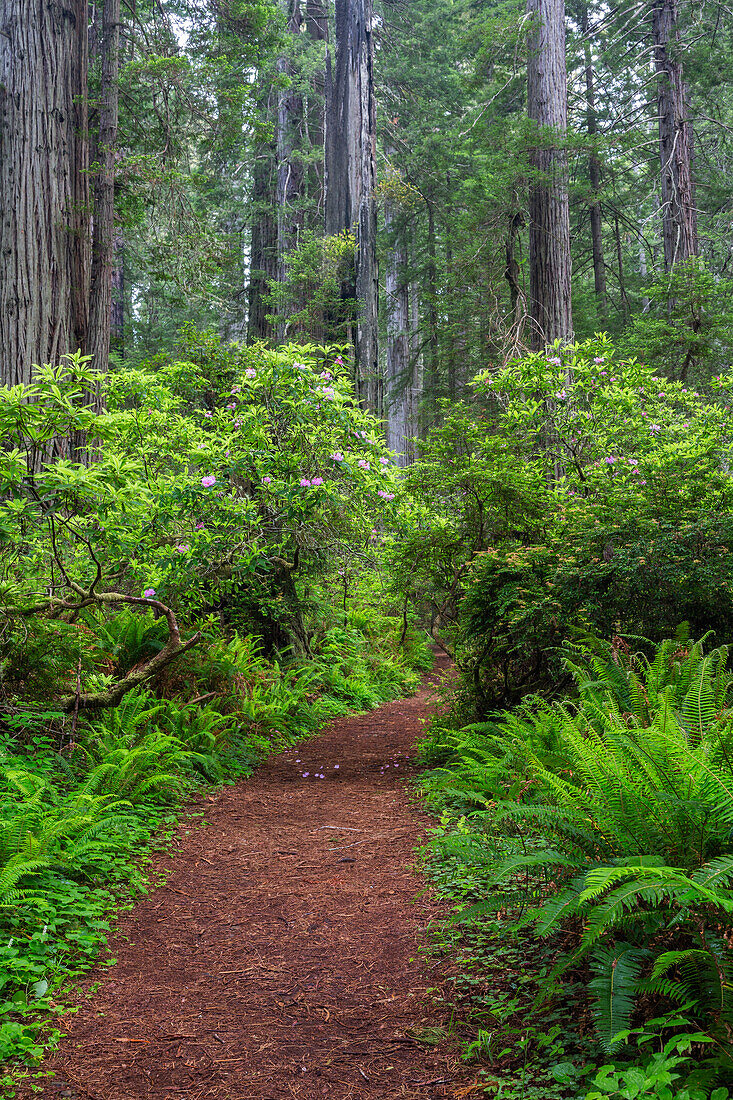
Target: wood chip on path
(280, 957)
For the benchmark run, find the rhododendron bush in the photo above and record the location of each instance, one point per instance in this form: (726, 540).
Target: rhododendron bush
(583, 494)
(229, 483)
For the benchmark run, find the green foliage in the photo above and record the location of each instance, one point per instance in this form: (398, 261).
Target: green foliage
(309, 304)
(606, 822)
(586, 494)
(687, 332)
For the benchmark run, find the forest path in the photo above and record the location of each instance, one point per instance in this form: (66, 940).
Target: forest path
(279, 959)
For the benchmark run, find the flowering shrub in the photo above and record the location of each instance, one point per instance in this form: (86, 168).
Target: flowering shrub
(217, 487)
(586, 494)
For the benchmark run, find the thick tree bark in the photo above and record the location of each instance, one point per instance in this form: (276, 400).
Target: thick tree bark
(676, 140)
(263, 247)
(44, 207)
(316, 19)
(351, 175)
(104, 238)
(399, 383)
(549, 218)
(117, 322)
(594, 173)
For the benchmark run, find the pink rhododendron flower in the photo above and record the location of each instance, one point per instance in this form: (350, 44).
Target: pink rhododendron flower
(208, 481)
(266, 480)
(149, 593)
(208, 415)
(183, 547)
(364, 464)
(384, 461)
(304, 483)
(337, 456)
(250, 373)
(317, 481)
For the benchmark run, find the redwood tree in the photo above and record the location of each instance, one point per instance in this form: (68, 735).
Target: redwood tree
(351, 174)
(105, 239)
(44, 189)
(400, 397)
(676, 139)
(549, 219)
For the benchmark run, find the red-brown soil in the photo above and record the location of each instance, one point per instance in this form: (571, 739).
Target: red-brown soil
(280, 957)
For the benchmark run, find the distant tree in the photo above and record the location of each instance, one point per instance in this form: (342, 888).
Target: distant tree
(676, 138)
(104, 154)
(351, 176)
(549, 216)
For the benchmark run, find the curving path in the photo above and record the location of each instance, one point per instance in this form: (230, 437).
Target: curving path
(279, 959)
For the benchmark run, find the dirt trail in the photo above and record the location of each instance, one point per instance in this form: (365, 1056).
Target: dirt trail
(280, 957)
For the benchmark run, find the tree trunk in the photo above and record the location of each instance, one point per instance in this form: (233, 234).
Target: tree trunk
(290, 173)
(263, 247)
(432, 288)
(416, 358)
(676, 140)
(399, 397)
(644, 272)
(117, 332)
(104, 238)
(44, 207)
(351, 176)
(594, 174)
(316, 18)
(512, 271)
(549, 218)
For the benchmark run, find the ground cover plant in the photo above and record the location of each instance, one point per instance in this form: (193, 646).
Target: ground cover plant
(603, 824)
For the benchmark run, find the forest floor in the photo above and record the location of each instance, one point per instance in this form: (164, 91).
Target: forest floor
(279, 955)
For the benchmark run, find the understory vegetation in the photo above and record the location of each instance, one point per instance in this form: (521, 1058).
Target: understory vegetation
(570, 545)
(204, 591)
(603, 827)
(238, 559)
